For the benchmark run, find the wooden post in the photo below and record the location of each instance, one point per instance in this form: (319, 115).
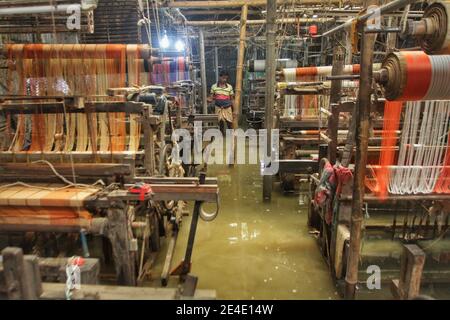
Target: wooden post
(391, 38)
(348, 46)
(335, 98)
(149, 143)
(203, 72)
(411, 267)
(19, 276)
(362, 139)
(333, 125)
(271, 29)
(239, 67)
(117, 232)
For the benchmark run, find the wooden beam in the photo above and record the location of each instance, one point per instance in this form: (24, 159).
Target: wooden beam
(66, 169)
(56, 291)
(411, 267)
(19, 276)
(335, 98)
(362, 121)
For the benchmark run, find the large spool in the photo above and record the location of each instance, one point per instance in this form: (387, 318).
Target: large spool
(324, 70)
(260, 65)
(437, 37)
(414, 75)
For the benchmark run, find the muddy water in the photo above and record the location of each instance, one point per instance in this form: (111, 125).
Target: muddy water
(255, 250)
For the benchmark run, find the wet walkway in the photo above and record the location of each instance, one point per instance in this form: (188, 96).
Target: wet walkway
(256, 250)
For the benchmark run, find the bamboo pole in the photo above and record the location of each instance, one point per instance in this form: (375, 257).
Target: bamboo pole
(234, 23)
(240, 67)
(362, 141)
(239, 3)
(271, 30)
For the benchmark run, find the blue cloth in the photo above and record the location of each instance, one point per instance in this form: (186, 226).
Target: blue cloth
(223, 103)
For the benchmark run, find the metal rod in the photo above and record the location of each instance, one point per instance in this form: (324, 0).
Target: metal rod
(57, 8)
(256, 22)
(203, 72)
(389, 7)
(216, 62)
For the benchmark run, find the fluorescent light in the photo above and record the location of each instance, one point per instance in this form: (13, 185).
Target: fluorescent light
(179, 45)
(164, 42)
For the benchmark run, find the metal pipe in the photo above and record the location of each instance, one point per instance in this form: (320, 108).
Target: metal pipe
(216, 62)
(57, 8)
(234, 23)
(389, 7)
(203, 72)
(271, 30)
(239, 3)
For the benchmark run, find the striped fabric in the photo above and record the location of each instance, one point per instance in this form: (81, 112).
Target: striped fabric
(222, 93)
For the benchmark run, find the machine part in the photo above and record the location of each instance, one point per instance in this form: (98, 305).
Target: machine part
(432, 30)
(209, 216)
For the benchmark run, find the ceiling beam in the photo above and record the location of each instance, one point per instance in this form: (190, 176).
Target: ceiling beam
(233, 23)
(215, 12)
(239, 3)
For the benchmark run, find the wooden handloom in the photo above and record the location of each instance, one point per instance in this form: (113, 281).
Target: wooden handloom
(65, 135)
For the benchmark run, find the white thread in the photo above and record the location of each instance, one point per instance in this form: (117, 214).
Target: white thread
(422, 148)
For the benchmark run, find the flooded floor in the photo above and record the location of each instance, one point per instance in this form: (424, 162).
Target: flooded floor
(256, 250)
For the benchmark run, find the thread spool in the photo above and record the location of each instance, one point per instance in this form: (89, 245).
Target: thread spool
(414, 75)
(436, 39)
(325, 70)
(260, 65)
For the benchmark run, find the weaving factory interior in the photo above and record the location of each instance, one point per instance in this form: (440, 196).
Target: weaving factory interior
(235, 150)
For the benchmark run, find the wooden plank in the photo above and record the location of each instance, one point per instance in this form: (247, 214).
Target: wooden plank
(66, 169)
(58, 107)
(35, 196)
(56, 291)
(411, 266)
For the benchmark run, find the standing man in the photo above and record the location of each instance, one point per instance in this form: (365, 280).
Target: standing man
(223, 95)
